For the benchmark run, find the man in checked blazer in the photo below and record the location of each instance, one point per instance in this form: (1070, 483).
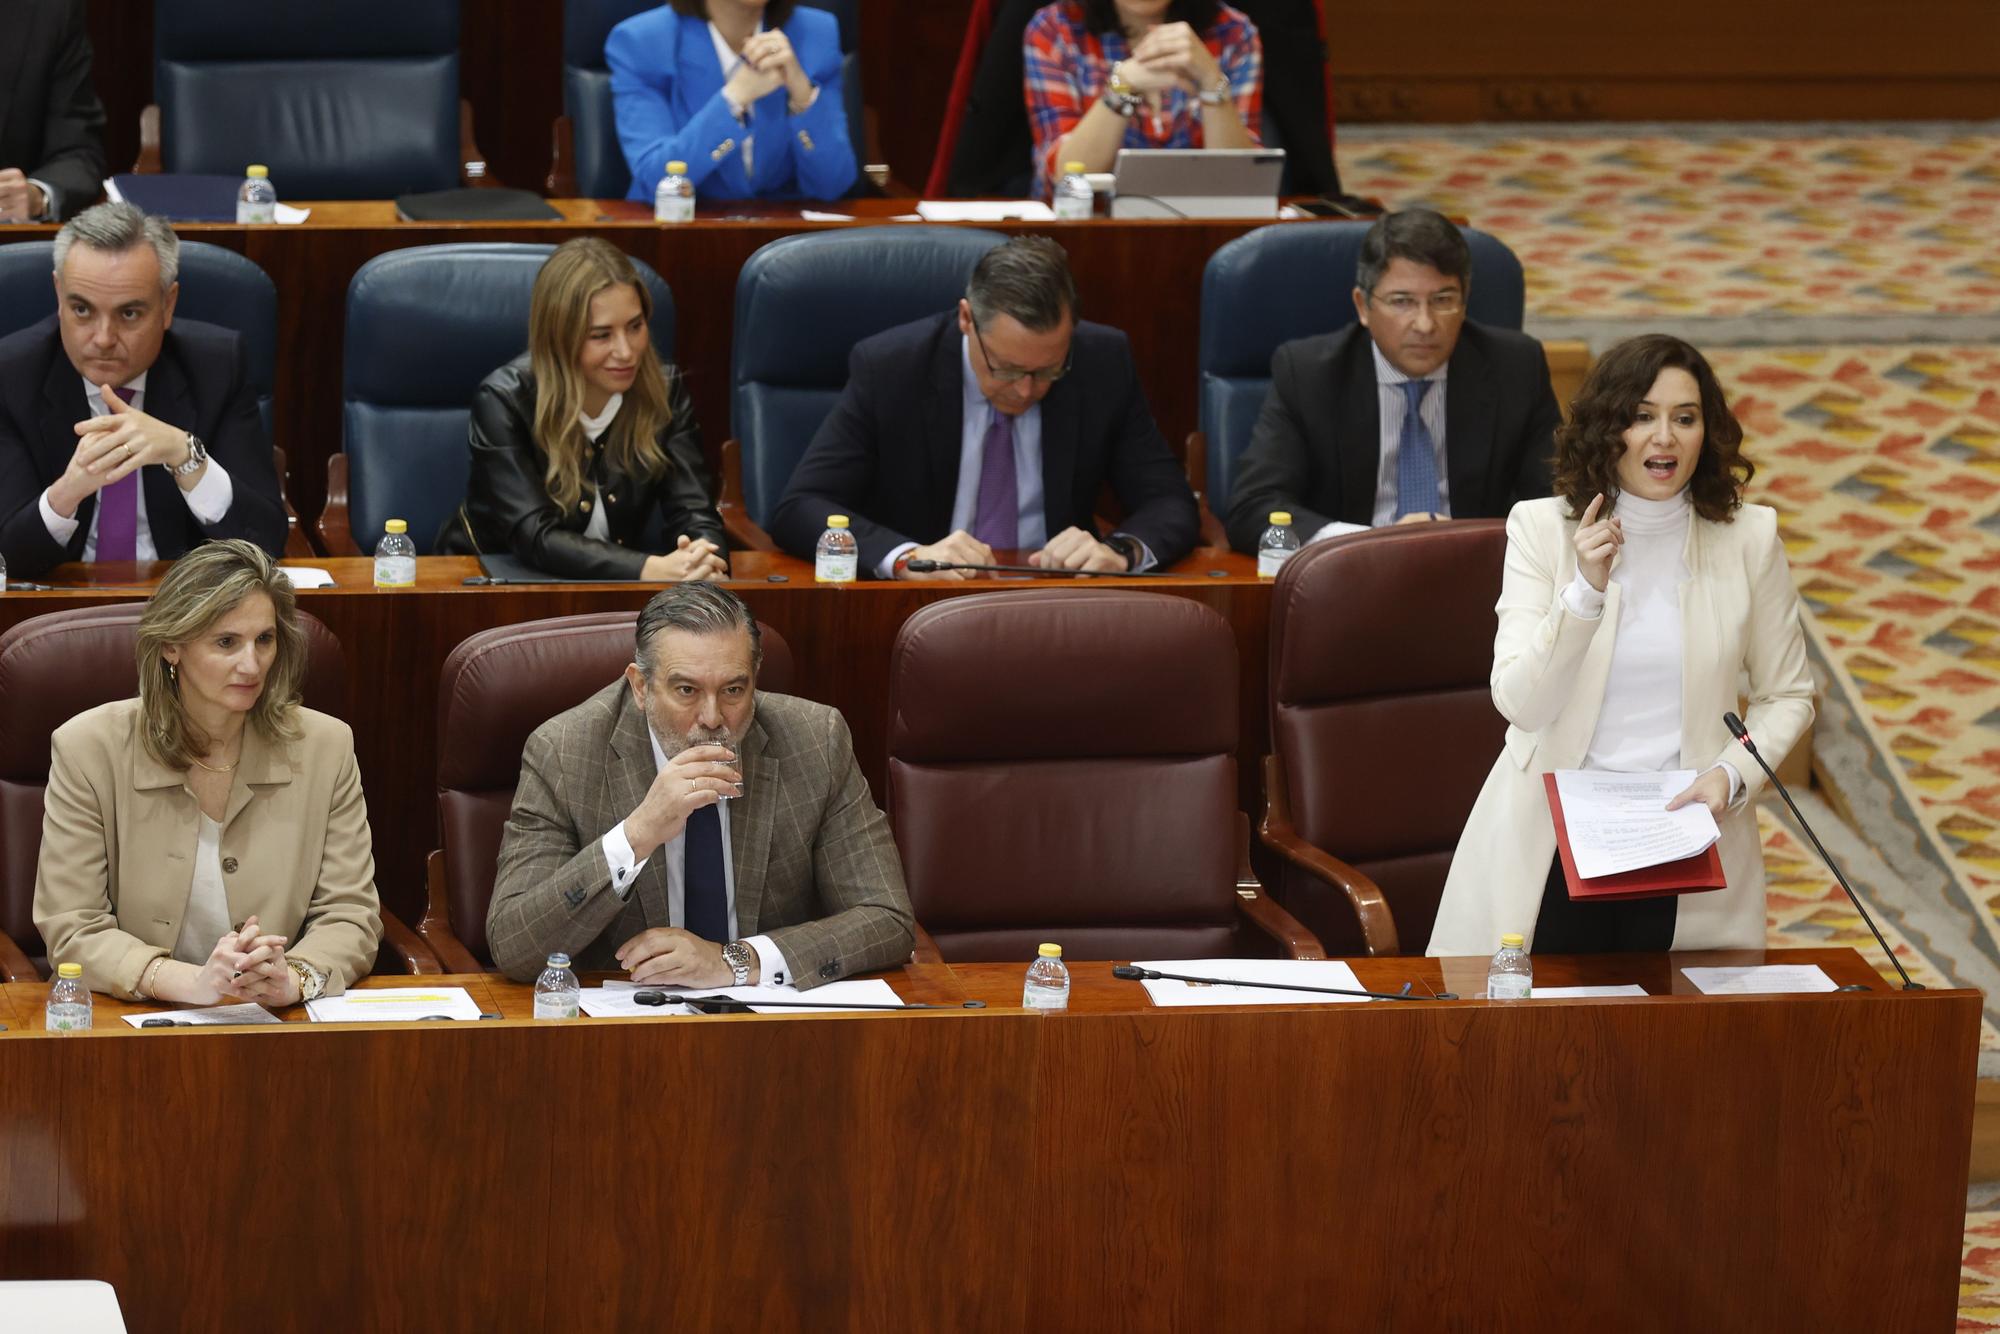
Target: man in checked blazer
(625, 848)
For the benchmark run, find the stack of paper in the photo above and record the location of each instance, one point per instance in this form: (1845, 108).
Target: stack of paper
(394, 1005)
(247, 1013)
(1760, 980)
(613, 999)
(1296, 972)
(1620, 822)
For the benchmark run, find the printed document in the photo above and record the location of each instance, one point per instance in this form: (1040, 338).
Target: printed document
(1299, 972)
(1620, 822)
(394, 1005)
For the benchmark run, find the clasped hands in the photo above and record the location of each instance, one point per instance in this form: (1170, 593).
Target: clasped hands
(247, 966)
(1171, 55)
(691, 560)
(111, 447)
(20, 200)
(1071, 549)
(769, 63)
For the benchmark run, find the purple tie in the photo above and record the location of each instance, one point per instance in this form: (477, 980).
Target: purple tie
(118, 512)
(997, 522)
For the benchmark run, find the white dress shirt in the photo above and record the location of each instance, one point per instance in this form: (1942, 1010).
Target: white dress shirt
(207, 917)
(773, 971)
(1392, 405)
(208, 500)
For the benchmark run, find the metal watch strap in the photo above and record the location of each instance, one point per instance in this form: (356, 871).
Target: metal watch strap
(1216, 93)
(738, 955)
(197, 455)
(312, 982)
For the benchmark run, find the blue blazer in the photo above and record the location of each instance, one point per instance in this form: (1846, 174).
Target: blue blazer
(666, 90)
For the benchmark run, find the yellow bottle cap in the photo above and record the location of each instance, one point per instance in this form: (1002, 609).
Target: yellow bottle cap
(1513, 940)
(677, 168)
(1281, 516)
(257, 171)
(1073, 168)
(69, 970)
(836, 521)
(396, 526)
(1050, 951)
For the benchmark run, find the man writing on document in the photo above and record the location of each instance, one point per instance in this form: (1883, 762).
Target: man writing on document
(683, 828)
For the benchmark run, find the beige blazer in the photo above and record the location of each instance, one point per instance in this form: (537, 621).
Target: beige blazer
(1739, 614)
(118, 844)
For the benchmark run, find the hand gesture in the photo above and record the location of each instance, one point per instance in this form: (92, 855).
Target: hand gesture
(1711, 789)
(1177, 50)
(747, 83)
(961, 547)
(113, 446)
(20, 200)
(1074, 549)
(248, 966)
(693, 559)
(668, 956)
(699, 776)
(771, 52)
(1597, 545)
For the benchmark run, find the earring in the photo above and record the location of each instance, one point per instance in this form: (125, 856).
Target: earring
(173, 676)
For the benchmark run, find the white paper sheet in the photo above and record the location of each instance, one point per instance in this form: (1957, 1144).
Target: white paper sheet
(393, 1005)
(614, 1001)
(288, 213)
(869, 991)
(1620, 822)
(307, 576)
(1296, 972)
(814, 215)
(1574, 993)
(249, 1012)
(985, 210)
(1769, 979)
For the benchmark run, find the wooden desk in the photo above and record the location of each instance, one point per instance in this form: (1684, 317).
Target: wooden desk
(1776, 1162)
(395, 643)
(1142, 276)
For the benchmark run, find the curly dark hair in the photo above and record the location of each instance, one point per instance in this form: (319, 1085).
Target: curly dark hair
(1102, 15)
(1590, 443)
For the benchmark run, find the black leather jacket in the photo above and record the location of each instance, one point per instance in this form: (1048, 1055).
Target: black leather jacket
(508, 510)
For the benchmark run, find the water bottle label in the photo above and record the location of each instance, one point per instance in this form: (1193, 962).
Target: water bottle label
(836, 569)
(1044, 998)
(252, 211)
(395, 572)
(1072, 208)
(67, 1018)
(1507, 986)
(673, 208)
(1269, 559)
(556, 1007)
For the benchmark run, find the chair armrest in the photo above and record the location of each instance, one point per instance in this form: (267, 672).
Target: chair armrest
(435, 928)
(298, 545)
(1267, 914)
(1378, 924)
(1213, 534)
(334, 533)
(925, 952)
(403, 943)
(14, 965)
(745, 533)
(561, 180)
(149, 163)
(471, 162)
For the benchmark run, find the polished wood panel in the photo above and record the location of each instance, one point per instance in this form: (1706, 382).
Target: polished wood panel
(1776, 1162)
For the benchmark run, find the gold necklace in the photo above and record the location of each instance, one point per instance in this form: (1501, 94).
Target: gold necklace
(212, 769)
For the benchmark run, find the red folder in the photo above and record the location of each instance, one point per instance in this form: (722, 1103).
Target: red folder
(1689, 875)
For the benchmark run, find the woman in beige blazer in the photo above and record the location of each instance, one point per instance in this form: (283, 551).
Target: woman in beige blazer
(1636, 603)
(208, 841)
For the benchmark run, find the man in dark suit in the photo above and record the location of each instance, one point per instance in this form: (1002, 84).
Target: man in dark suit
(1415, 414)
(51, 123)
(994, 429)
(123, 437)
(615, 848)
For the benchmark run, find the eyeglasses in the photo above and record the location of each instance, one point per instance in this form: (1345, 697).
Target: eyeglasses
(1404, 305)
(1000, 376)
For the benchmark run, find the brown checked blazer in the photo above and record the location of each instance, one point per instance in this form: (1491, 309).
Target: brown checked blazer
(816, 869)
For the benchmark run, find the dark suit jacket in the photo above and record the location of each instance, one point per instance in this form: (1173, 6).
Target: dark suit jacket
(816, 869)
(887, 455)
(198, 383)
(1317, 447)
(507, 506)
(51, 123)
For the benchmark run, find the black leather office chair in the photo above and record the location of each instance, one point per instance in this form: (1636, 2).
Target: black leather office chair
(424, 327)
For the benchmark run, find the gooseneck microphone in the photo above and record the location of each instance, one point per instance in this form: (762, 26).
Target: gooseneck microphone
(1134, 973)
(1742, 734)
(924, 566)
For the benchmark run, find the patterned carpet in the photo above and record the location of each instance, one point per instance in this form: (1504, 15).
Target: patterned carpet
(1621, 227)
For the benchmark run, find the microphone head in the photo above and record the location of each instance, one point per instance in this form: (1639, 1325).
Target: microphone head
(1735, 726)
(1129, 972)
(921, 565)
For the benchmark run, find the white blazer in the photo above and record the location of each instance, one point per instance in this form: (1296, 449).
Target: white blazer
(1739, 612)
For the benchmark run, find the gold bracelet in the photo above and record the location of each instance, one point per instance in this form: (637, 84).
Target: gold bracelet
(145, 989)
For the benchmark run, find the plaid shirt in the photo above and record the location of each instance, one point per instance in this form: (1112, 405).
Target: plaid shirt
(1067, 68)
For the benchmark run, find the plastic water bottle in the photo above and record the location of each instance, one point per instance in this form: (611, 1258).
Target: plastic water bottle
(1047, 987)
(557, 994)
(1278, 545)
(674, 200)
(257, 198)
(395, 557)
(3, 574)
(1511, 975)
(837, 558)
(69, 1001)
(1075, 200)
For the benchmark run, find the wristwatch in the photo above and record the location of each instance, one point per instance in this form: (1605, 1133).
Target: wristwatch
(197, 455)
(311, 981)
(1216, 93)
(1128, 547)
(1119, 95)
(739, 956)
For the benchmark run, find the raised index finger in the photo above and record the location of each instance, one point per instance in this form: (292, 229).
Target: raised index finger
(1590, 510)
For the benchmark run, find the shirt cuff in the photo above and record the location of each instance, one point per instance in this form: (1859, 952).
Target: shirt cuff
(810, 101)
(887, 569)
(1338, 529)
(772, 971)
(60, 529)
(618, 856)
(209, 499)
(740, 110)
(1735, 780)
(51, 200)
(1582, 601)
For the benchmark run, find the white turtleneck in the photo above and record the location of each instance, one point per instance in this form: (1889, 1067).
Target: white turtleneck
(599, 527)
(1639, 722)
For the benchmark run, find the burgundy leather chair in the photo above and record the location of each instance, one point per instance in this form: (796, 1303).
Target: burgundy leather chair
(1382, 724)
(54, 667)
(1062, 766)
(496, 688)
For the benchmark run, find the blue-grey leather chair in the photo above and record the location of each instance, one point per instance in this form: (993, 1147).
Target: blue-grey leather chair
(802, 303)
(1289, 281)
(356, 100)
(594, 160)
(424, 326)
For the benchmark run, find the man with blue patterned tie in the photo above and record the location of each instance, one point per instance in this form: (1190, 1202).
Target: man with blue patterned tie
(1414, 414)
(682, 827)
